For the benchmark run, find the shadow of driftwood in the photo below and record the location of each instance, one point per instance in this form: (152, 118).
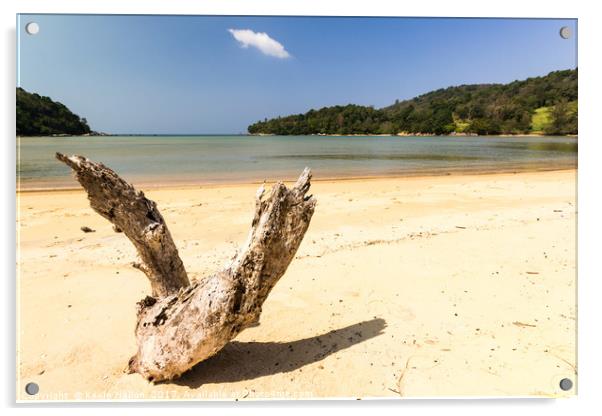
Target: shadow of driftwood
(248, 360)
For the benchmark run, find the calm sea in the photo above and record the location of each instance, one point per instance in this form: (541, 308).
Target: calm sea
(154, 160)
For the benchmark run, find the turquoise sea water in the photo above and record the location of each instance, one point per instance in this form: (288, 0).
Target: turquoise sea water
(155, 160)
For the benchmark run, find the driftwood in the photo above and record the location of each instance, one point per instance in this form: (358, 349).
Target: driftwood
(184, 323)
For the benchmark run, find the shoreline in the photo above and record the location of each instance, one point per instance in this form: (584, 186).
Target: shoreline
(452, 135)
(175, 185)
(532, 134)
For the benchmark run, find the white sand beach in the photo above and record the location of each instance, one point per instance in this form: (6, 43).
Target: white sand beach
(402, 287)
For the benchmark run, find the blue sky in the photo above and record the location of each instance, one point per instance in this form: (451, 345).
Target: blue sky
(190, 74)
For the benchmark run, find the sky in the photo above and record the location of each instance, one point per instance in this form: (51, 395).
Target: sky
(218, 74)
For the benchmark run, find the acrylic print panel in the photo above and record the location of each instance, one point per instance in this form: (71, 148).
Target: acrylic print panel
(433, 256)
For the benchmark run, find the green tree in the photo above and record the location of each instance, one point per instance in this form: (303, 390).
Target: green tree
(479, 108)
(40, 116)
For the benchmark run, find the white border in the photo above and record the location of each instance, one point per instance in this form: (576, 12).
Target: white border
(590, 209)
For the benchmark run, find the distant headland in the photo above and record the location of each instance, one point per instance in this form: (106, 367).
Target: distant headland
(41, 116)
(545, 105)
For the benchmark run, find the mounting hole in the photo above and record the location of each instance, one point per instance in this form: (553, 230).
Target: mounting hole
(565, 32)
(566, 384)
(32, 389)
(32, 28)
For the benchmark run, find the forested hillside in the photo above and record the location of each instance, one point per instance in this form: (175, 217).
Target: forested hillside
(40, 116)
(546, 105)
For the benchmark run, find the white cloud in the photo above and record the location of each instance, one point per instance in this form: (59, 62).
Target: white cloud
(261, 41)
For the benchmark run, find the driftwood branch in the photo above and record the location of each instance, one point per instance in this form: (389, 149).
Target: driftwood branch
(183, 324)
(139, 219)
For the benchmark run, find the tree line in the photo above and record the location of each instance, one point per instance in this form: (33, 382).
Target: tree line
(40, 116)
(546, 105)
